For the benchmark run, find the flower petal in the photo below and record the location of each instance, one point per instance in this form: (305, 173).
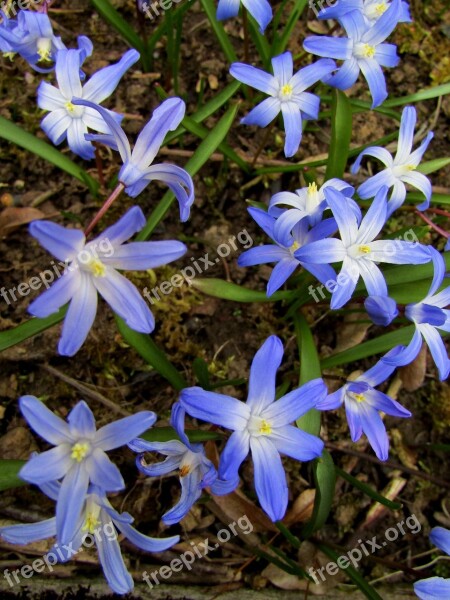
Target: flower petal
(437, 348)
(328, 47)
(124, 430)
(375, 80)
(295, 404)
(104, 82)
(47, 466)
(55, 125)
(71, 499)
(67, 71)
(255, 78)
(440, 537)
(145, 542)
(103, 472)
(76, 140)
(79, 318)
(263, 372)
(263, 113)
(433, 588)
(29, 532)
(292, 441)
(260, 10)
(43, 421)
(215, 408)
(81, 421)
(114, 569)
(292, 119)
(280, 274)
(179, 181)
(311, 74)
(381, 153)
(139, 256)
(270, 478)
(61, 242)
(234, 453)
(283, 68)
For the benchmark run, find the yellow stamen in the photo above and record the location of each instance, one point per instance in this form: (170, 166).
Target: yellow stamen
(9, 55)
(185, 470)
(70, 107)
(79, 451)
(96, 267)
(295, 246)
(312, 188)
(91, 523)
(369, 51)
(44, 48)
(265, 428)
(381, 8)
(286, 90)
(359, 397)
(364, 249)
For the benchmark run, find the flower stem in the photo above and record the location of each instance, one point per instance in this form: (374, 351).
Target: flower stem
(115, 194)
(433, 225)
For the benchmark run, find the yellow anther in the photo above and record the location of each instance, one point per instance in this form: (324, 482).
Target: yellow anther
(96, 267)
(312, 188)
(9, 55)
(265, 428)
(364, 249)
(44, 48)
(185, 470)
(359, 397)
(381, 8)
(295, 246)
(70, 107)
(91, 523)
(369, 51)
(79, 451)
(286, 90)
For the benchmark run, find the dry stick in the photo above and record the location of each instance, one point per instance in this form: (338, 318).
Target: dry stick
(116, 193)
(99, 165)
(389, 463)
(433, 225)
(84, 389)
(263, 143)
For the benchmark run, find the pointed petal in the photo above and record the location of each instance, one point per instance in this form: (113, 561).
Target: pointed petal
(354, 420)
(71, 499)
(292, 441)
(346, 75)
(114, 569)
(375, 430)
(417, 155)
(399, 252)
(293, 127)
(191, 491)
(295, 404)
(260, 10)
(373, 278)
(345, 218)
(79, 318)
(50, 98)
(171, 463)
(270, 478)
(375, 80)
(139, 256)
(30, 532)
(55, 125)
(104, 82)
(280, 274)
(165, 118)
(262, 255)
(67, 72)
(375, 218)
(43, 421)
(103, 472)
(125, 300)
(381, 153)
(346, 280)
(263, 113)
(440, 537)
(255, 78)
(145, 542)
(76, 140)
(131, 222)
(179, 181)
(421, 183)
(404, 356)
(437, 348)
(308, 104)
(283, 68)
(61, 242)
(328, 47)
(406, 134)
(124, 430)
(215, 408)
(311, 74)
(261, 387)
(322, 252)
(388, 405)
(234, 453)
(433, 588)
(47, 466)
(377, 374)
(227, 9)
(93, 120)
(370, 187)
(81, 421)
(386, 55)
(332, 401)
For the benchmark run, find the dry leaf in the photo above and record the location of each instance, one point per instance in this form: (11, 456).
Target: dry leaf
(352, 332)
(13, 217)
(302, 508)
(413, 375)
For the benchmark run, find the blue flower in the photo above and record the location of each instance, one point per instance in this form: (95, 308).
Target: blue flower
(97, 520)
(363, 50)
(72, 122)
(308, 202)
(196, 471)
(370, 9)
(381, 309)
(428, 316)
(357, 249)
(79, 456)
(261, 425)
(32, 37)
(363, 404)
(287, 94)
(399, 170)
(92, 269)
(260, 10)
(284, 255)
(435, 588)
(136, 172)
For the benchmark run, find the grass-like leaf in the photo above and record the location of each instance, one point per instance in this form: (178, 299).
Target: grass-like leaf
(341, 133)
(9, 474)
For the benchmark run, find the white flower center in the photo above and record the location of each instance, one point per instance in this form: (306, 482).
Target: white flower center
(374, 10)
(80, 450)
(399, 170)
(44, 48)
(74, 111)
(361, 50)
(358, 250)
(258, 426)
(285, 92)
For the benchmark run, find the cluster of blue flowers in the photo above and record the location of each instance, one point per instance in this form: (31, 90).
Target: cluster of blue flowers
(315, 228)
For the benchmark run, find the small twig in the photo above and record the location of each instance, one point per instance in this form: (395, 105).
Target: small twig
(429, 222)
(263, 143)
(116, 193)
(84, 389)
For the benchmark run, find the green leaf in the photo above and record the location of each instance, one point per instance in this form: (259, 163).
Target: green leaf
(9, 474)
(116, 20)
(433, 165)
(360, 485)
(146, 347)
(341, 133)
(280, 43)
(231, 291)
(15, 134)
(30, 328)
(381, 344)
(435, 198)
(195, 163)
(309, 369)
(434, 92)
(325, 481)
(353, 574)
(260, 41)
(210, 9)
(200, 368)
(165, 434)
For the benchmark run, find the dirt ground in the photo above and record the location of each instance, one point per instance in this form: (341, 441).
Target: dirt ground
(224, 334)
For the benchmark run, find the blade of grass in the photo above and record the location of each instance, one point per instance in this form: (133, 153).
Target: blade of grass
(30, 328)
(279, 45)
(9, 474)
(341, 133)
(231, 291)
(360, 485)
(325, 480)
(210, 10)
(15, 134)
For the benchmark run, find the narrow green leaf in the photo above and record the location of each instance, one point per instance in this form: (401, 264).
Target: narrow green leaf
(9, 474)
(360, 485)
(381, 344)
(164, 434)
(280, 43)
(260, 41)
(210, 9)
(434, 92)
(325, 481)
(30, 328)
(116, 20)
(435, 198)
(231, 291)
(195, 163)
(433, 165)
(341, 133)
(353, 574)
(146, 347)
(200, 368)
(15, 134)
(309, 369)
